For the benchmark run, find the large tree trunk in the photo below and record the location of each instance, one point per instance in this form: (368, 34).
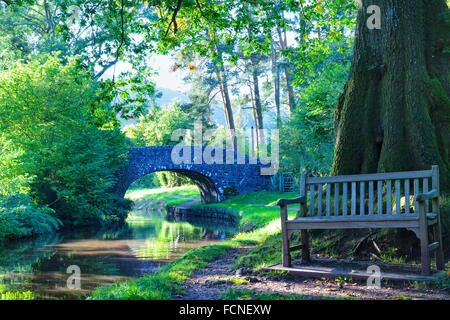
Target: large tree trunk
(394, 114)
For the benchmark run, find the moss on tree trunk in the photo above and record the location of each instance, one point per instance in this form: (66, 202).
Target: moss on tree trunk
(394, 113)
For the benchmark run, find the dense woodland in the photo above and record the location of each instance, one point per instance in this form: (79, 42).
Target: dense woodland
(346, 98)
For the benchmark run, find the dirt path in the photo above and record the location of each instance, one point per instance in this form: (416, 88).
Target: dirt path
(209, 283)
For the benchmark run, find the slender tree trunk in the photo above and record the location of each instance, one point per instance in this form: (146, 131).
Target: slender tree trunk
(223, 86)
(255, 116)
(287, 71)
(258, 107)
(276, 83)
(394, 114)
(219, 70)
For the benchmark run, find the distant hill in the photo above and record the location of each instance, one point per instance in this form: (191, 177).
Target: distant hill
(168, 95)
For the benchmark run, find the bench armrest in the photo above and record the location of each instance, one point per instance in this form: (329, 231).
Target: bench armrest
(427, 195)
(284, 202)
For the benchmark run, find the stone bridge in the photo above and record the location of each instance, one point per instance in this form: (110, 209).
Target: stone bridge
(230, 172)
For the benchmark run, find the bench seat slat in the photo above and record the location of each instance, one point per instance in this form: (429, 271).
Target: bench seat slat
(411, 221)
(361, 218)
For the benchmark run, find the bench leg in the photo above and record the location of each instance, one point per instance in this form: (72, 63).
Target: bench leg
(423, 232)
(439, 253)
(306, 258)
(286, 258)
(286, 252)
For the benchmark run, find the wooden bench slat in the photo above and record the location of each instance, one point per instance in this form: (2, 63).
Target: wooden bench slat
(397, 196)
(328, 201)
(344, 198)
(380, 196)
(336, 199)
(425, 190)
(362, 195)
(319, 199)
(416, 192)
(311, 200)
(370, 197)
(407, 196)
(394, 221)
(371, 176)
(388, 197)
(353, 198)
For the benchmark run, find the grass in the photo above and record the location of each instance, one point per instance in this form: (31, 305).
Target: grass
(161, 197)
(15, 295)
(255, 210)
(183, 191)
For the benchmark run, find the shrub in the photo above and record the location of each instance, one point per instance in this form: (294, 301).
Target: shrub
(20, 217)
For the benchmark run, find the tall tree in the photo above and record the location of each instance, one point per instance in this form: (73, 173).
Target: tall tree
(394, 113)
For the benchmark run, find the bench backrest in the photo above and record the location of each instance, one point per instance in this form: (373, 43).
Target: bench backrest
(377, 194)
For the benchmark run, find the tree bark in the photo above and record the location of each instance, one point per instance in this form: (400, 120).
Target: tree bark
(287, 71)
(258, 107)
(394, 113)
(276, 82)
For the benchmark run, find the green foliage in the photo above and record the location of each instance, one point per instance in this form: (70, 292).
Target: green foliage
(53, 145)
(156, 129)
(307, 138)
(20, 217)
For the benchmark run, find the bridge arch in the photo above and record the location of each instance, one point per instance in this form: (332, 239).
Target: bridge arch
(213, 180)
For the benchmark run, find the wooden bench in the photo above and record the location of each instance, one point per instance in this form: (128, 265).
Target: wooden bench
(366, 201)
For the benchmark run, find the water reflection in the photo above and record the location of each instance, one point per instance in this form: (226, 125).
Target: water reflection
(143, 244)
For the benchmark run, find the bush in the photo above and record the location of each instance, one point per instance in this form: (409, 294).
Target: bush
(20, 217)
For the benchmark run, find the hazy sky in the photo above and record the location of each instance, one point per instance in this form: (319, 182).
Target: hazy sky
(165, 77)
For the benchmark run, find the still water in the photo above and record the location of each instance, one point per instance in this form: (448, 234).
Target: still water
(144, 244)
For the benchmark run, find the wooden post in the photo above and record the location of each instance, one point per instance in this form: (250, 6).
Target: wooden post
(423, 232)
(286, 259)
(439, 253)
